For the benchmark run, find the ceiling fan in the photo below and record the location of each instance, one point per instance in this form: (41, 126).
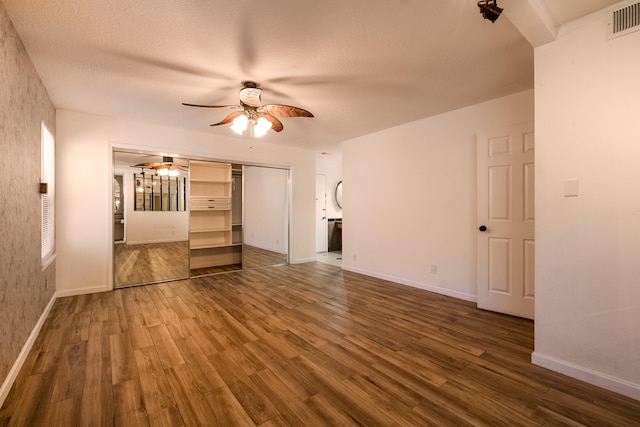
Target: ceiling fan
(254, 115)
(164, 168)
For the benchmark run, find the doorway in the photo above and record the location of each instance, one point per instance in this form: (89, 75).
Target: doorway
(321, 213)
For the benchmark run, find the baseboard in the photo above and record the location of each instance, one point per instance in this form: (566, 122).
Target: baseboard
(81, 291)
(414, 284)
(590, 376)
(150, 242)
(302, 260)
(265, 248)
(22, 357)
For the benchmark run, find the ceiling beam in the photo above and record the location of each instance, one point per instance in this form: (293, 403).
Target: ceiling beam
(532, 19)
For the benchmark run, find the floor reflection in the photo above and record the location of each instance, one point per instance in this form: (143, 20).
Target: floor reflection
(333, 258)
(150, 263)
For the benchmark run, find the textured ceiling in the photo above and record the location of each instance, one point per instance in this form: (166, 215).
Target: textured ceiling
(359, 66)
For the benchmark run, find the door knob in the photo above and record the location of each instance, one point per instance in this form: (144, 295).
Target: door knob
(482, 228)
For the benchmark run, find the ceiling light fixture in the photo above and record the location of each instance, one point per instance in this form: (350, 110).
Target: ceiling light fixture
(247, 120)
(167, 171)
(489, 10)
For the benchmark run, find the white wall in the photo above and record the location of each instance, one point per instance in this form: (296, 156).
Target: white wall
(588, 247)
(84, 181)
(266, 217)
(410, 197)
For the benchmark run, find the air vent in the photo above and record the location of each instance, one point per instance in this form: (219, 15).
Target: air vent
(623, 21)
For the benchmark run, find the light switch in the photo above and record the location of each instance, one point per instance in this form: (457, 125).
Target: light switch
(570, 188)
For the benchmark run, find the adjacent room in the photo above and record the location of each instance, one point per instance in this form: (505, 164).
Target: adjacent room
(338, 213)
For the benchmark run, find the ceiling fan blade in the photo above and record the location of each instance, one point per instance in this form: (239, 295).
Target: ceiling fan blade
(211, 106)
(229, 118)
(276, 124)
(150, 165)
(286, 111)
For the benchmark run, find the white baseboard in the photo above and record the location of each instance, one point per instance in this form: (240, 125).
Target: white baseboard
(414, 284)
(265, 248)
(302, 260)
(617, 385)
(81, 291)
(22, 357)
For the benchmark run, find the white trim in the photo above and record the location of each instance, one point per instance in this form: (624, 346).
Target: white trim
(82, 291)
(414, 284)
(22, 357)
(600, 379)
(47, 261)
(302, 260)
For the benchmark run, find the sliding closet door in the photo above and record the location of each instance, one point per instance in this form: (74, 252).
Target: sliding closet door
(266, 217)
(150, 232)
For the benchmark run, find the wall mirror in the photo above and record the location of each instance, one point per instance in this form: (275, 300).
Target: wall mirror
(150, 245)
(338, 194)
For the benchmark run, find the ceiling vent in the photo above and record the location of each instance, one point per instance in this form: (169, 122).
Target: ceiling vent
(623, 21)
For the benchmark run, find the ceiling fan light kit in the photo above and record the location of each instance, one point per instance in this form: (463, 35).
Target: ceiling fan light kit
(258, 118)
(165, 168)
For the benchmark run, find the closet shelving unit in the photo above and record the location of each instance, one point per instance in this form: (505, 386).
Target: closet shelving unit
(211, 242)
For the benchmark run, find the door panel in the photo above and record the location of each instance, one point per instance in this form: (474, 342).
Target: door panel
(500, 193)
(506, 207)
(500, 265)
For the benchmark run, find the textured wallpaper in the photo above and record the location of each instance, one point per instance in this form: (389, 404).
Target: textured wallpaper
(25, 289)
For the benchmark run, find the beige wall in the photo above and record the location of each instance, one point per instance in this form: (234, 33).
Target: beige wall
(588, 247)
(25, 290)
(410, 197)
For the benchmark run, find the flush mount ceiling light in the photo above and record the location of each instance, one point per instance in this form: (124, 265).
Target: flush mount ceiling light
(489, 10)
(258, 118)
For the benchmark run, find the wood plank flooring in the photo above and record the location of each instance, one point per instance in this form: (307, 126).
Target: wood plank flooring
(150, 262)
(254, 257)
(295, 345)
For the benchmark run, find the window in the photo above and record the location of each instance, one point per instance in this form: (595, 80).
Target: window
(47, 196)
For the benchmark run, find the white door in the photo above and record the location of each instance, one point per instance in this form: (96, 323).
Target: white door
(321, 213)
(505, 232)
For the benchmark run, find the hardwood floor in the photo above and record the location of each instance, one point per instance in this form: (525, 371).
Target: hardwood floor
(295, 345)
(253, 257)
(150, 262)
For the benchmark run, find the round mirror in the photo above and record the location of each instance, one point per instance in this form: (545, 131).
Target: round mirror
(338, 195)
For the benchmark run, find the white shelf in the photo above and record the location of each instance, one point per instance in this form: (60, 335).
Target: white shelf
(210, 246)
(209, 230)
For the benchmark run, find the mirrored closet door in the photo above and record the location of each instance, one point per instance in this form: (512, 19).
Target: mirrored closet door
(176, 218)
(150, 219)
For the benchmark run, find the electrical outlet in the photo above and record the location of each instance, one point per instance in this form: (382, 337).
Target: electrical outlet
(355, 257)
(434, 269)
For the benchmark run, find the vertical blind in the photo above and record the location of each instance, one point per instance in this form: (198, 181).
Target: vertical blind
(47, 175)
